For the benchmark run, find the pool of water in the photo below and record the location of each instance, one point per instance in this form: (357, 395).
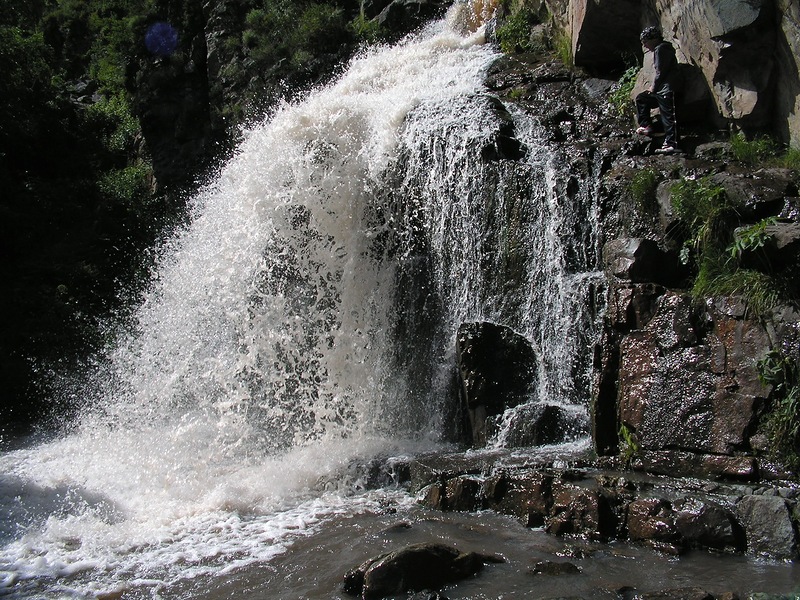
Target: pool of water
(313, 567)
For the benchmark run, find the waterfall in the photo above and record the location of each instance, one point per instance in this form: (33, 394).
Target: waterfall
(307, 318)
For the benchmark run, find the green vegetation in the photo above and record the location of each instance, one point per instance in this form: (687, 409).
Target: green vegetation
(643, 186)
(714, 246)
(563, 48)
(783, 419)
(791, 159)
(750, 239)
(514, 35)
(764, 151)
(628, 446)
(366, 31)
(753, 152)
(621, 97)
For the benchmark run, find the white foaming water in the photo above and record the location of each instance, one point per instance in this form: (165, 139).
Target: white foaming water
(227, 420)
(266, 360)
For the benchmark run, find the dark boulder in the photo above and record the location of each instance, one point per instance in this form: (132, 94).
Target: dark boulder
(548, 567)
(412, 569)
(707, 525)
(497, 370)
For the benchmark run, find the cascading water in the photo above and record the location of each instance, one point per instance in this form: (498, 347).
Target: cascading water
(306, 319)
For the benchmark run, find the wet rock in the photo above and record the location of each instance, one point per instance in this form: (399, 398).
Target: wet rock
(540, 424)
(503, 144)
(768, 526)
(687, 593)
(577, 510)
(707, 525)
(412, 569)
(404, 15)
(632, 306)
(527, 497)
(652, 520)
(463, 494)
(497, 370)
(641, 261)
(548, 567)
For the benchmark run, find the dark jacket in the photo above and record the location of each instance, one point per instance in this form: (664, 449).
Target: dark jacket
(666, 68)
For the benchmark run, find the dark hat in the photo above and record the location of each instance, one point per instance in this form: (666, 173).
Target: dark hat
(650, 33)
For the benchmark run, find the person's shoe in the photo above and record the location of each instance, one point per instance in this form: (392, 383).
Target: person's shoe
(667, 149)
(645, 130)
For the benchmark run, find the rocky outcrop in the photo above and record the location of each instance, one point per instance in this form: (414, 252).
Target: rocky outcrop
(680, 374)
(740, 57)
(669, 514)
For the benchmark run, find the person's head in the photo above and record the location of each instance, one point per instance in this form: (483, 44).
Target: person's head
(650, 37)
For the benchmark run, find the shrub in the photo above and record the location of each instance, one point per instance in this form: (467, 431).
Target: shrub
(709, 217)
(365, 30)
(514, 35)
(128, 185)
(118, 127)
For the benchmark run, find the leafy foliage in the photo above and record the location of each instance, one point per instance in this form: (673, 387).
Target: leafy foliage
(750, 239)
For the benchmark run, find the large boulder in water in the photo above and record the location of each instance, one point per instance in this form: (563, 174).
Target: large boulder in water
(411, 569)
(497, 370)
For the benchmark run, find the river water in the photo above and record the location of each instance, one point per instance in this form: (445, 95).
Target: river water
(303, 324)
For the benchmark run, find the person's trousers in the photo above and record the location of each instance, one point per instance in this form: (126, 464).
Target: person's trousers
(665, 102)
